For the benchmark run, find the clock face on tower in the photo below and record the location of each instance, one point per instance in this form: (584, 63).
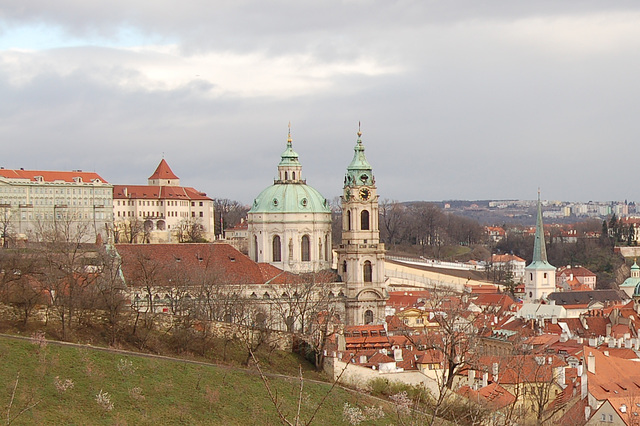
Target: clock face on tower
(365, 194)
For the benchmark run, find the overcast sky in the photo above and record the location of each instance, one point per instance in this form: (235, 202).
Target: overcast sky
(457, 99)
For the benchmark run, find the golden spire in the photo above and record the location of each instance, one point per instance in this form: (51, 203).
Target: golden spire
(289, 134)
(359, 131)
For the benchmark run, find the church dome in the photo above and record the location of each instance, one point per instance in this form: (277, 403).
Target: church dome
(290, 192)
(290, 198)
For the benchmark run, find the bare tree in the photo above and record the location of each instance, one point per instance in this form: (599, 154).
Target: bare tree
(64, 256)
(393, 218)
(6, 225)
(110, 289)
(228, 213)
(190, 230)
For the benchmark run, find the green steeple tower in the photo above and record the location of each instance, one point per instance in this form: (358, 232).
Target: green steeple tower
(359, 172)
(539, 248)
(289, 157)
(540, 275)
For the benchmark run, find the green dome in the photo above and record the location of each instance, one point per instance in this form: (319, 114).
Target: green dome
(290, 198)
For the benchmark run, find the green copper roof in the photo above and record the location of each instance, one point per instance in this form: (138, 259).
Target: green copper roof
(630, 282)
(539, 248)
(289, 156)
(290, 198)
(359, 171)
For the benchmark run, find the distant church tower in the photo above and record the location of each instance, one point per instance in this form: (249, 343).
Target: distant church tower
(361, 255)
(540, 275)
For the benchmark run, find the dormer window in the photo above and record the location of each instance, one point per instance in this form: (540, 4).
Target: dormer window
(39, 179)
(77, 179)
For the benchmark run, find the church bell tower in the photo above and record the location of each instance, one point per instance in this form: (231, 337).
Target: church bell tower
(361, 254)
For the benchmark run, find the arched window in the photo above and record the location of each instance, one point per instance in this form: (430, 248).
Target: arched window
(255, 248)
(306, 249)
(327, 249)
(344, 268)
(364, 220)
(286, 175)
(294, 175)
(368, 316)
(348, 220)
(277, 249)
(366, 271)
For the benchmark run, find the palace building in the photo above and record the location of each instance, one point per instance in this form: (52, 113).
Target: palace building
(162, 211)
(34, 203)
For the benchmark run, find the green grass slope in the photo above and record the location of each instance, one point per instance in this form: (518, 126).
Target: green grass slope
(149, 391)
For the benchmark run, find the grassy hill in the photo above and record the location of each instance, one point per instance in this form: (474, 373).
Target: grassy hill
(64, 382)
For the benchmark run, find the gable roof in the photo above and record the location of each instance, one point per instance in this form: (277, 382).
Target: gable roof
(577, 271)
(493, 395)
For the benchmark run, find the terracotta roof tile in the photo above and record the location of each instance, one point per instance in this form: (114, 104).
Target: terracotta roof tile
(228, 264)
(149, 192)
(163, 171)
(50, 176)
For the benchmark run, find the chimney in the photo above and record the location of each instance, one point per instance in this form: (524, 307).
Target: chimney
(397, 354)
(608, 329)
(561, 376)
(636, 346)
(494, 371)
(472, 377)
(591, 363)
(485, 379)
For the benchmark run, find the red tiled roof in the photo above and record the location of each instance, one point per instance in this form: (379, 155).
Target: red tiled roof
(157, 192)
(163, 171)
(493, 395)
(614, 377)
(399, 299)
(50, 176)
(227, 264)
(575, 414)
(522, 368)
(504, 258)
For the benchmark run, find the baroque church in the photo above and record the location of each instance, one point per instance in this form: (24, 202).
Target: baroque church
(289, 227)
